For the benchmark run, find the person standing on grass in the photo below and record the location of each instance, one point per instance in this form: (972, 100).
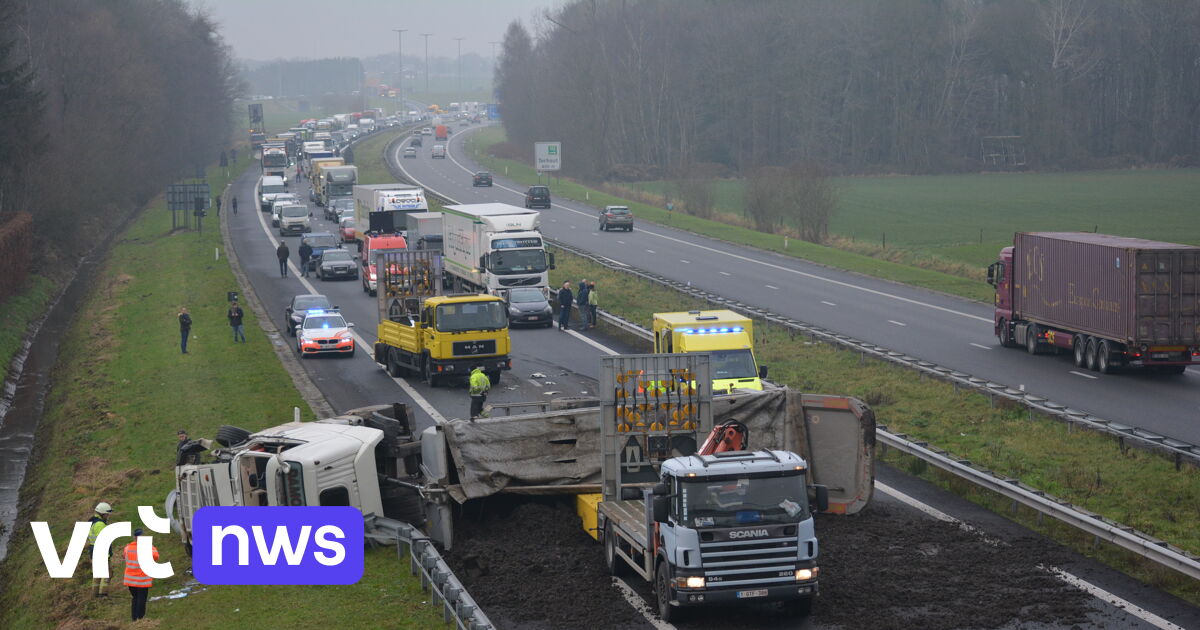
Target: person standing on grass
(282, 252)
(235, 315)
(185, 328)
(593, 303)
(565, 301)
(136, 579)
(98, 522)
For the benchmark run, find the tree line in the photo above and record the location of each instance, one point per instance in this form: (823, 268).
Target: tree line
(102, 105)
(641, 89)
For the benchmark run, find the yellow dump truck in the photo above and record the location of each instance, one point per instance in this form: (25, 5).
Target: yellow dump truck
(430, 335)
(727, 336)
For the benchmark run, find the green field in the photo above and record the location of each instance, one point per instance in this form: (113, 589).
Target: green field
(122, 389)
(968, 218)
(19, 310)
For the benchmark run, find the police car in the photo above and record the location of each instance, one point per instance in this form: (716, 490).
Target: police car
(324, 331)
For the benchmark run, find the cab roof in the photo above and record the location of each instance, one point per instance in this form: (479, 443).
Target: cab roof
(462, 299)
(733, 463)
(702, 318)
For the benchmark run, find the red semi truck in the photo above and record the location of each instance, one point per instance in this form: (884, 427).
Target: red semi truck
(1110, 300)
(441, 132)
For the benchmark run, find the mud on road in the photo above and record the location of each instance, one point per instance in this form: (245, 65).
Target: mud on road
(529, 564)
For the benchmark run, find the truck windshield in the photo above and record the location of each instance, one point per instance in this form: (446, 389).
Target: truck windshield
(339, 190)
(514, 261)
(290, 485)
(275, 159)
(733, 364)
(471, 316)
(742, 500)
(273, 188)
(295, 211)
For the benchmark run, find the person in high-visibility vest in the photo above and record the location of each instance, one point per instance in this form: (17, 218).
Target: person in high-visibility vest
(98, 521)
(138, 582)
(479, 386)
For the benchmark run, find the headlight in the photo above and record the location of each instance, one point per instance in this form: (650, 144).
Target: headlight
(695, 581)
(803, 575)
(345, 335)
(512, 310)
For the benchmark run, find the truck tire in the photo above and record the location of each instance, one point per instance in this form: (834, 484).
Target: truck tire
(494, 377)
(1005, 335)
(427, 373)
(662, 593)
(1103, 363)
(1079, 351)
(229, 435)
(393, 368)
(1091, 353)
(1031, 339)
(615, 564)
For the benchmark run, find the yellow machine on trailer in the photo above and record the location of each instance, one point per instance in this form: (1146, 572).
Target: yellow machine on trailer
(728, 338)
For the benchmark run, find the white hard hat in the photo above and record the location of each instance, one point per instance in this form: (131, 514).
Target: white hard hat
(103, 508)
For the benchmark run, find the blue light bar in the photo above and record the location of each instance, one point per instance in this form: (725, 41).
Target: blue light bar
(711, 331)
(316, 311)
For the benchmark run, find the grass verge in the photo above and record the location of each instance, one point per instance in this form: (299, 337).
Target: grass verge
(368, 157)
(18, 311)
(123, 388)
(480, 141)
(1085, 468)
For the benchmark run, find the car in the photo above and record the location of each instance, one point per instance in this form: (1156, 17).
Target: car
(482, 178)
(337, 206)
(300, 304)
(538, 197)
(336, 263)
(319, 242)
(426, 131)
(410, 152)
(324, 331)
(616, 217)
(439, 151)
(416, 141)
(347, 230)
(528, 306)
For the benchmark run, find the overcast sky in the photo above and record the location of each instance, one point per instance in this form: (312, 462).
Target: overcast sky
(267, 29)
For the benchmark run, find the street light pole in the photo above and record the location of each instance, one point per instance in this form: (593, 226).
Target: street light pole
(400, 58)
(459, 40)
(426, 36)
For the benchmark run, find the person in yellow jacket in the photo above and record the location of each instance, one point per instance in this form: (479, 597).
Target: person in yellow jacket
(98, 522)
(138, 582)
(479, 386)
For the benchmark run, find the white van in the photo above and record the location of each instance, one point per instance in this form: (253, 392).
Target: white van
(268, 187)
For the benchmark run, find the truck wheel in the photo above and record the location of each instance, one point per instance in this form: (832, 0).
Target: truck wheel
(615, 564)
(494, 377)
(662, 592)
(428, 375)
(1091, 354)
(798, 607)
(1031, 339)
(1005, 335)
(1103, 365)
(228, 435)
(1079, 351)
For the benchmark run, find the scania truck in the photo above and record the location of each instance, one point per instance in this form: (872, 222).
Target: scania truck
(1110, 301)
(492, 247)
(728, 338)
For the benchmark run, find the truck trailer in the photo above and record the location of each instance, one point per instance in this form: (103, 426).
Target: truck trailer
(491, 247)
(383, 208)
(1111, 301)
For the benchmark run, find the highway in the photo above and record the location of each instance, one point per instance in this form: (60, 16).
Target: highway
(548, 363)
(950, 331)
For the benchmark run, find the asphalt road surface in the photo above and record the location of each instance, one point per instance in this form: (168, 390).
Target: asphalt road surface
(946, 330)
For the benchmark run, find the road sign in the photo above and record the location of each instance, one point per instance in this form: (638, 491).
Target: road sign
(547, 156)
(183, 196)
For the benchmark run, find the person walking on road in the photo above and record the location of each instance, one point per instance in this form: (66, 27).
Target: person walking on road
(282, 252)
(235, 315)
(480, 383)
(136, 579)
(593, 303)
(235, 205)
(581, 300)
(305, 255)
(185, 328)
(565, 301)
(98, 522)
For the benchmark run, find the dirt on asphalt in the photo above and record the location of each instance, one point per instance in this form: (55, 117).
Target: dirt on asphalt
(530, 565)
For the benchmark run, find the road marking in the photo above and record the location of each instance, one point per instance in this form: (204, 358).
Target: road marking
(686, 262)
(714, 250)
(828, 303)
(724, 273)
(637, 603)
(771, 286)
(615, 262)
(621, 242)
(358, 340)
(534, 381)
(1091, 376)
(592, 342)
(979, 345)
(892, 321)
(1069, 578)
(651, 251)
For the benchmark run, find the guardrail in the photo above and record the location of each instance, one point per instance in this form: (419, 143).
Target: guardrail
(1126, 537)
(458, 606)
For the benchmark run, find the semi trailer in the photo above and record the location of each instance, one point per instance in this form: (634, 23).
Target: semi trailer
(491, 247)
(1111, 301)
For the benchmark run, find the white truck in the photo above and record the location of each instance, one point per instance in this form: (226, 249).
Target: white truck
(338, 183)
(425, 230)
(366, 125)
(381, 208)
(492, 247)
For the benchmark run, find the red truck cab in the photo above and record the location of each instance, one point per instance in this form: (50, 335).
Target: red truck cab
(372, 244)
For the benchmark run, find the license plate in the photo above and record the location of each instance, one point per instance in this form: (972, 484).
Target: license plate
(532, 318)
(1160, 355)
(762, 592)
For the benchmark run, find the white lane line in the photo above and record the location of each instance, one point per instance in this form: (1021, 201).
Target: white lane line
(615, 262)
(1069, 578)
(892, 321)
(651, 251)
(771, 286)
(637, 603)
(827, 303)
(686, 262)
(1084, 375)
(534, 381)
(592, 342)
(724, 273)
(715, 250)
(359, 342)
(621, 242)
(979, 345)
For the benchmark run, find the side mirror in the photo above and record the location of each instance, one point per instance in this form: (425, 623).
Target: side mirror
(822, 497)
(350, 325)
(661, 507)
(762, 372)
(336, 307)
(483, 262)
(991, 273)
(551, 265)
(660, 490)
